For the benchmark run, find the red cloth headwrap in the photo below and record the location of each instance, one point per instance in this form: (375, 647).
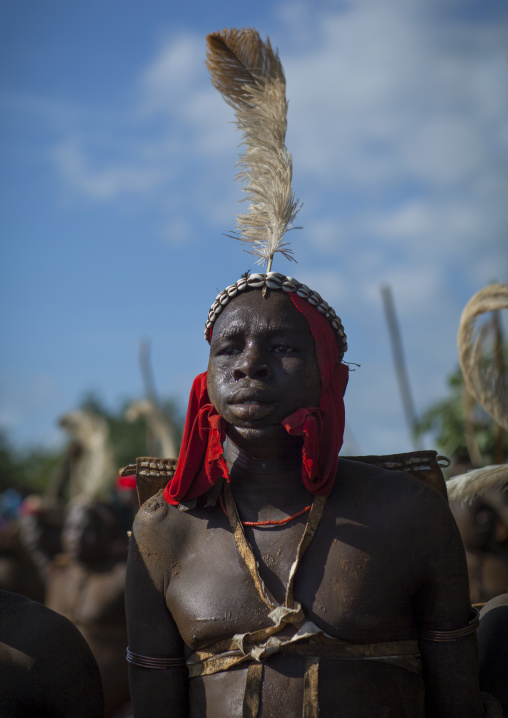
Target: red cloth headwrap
(201, 461)
(322, 427)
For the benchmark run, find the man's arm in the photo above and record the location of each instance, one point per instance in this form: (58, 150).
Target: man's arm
(151, 629)
(450, 667)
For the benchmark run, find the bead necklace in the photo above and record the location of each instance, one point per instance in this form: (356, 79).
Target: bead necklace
(268, 523)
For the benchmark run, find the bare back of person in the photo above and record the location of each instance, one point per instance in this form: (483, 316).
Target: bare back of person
(86, 584)
(46, 666)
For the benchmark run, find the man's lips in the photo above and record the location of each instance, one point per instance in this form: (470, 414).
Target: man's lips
(251, 411)
(251, 395)
(248, 405)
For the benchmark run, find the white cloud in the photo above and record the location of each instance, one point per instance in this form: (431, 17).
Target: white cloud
(173, 75)
(106, 182)
(175, 85)
(379, 98)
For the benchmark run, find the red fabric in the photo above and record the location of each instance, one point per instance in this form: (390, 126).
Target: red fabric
(322, 427)
(201, 461)
(126, 482)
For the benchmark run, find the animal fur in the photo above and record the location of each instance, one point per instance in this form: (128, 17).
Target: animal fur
(477, 482)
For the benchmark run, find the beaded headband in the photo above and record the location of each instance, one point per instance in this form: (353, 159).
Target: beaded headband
(249, 75)
(274, 280)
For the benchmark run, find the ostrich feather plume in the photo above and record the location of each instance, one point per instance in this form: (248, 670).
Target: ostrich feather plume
(477, 482)
(483, 379)
(93, 469)
(250, 77)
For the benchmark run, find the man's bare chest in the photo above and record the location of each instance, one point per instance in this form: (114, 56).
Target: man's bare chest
(349, 583)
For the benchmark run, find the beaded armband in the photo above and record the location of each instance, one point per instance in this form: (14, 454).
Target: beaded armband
(446, 636)
(274, 280)
(160, 664)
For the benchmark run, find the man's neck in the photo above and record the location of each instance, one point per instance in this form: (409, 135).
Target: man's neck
(265, 468)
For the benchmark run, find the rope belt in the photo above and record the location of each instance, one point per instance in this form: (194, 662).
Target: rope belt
(308, 641)
(317, 645)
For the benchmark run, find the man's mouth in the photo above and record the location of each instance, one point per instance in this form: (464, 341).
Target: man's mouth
(245, 406)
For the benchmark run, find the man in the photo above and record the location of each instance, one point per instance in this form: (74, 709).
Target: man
(487, 564)
(86, 584)
(382, 582)
(274, 580)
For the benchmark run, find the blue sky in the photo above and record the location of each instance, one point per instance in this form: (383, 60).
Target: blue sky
(117, 189)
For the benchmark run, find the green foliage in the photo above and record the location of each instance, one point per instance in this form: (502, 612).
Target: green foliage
(29, 471)
(35, 468)
(445, 421)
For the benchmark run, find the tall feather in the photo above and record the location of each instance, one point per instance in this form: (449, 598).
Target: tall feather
(250, 77)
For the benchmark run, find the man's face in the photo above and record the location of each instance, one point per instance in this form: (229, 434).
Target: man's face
(263, 363)
(477, 524)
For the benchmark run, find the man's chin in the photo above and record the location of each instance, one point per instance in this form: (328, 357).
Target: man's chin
(255, 433)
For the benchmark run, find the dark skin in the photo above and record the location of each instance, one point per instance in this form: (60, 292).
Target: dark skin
(46, 667)
(86, 584)
(386, 559)
(487, 564)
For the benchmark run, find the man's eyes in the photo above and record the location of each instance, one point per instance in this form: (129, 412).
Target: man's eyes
(230, 350)
(284, 349)
(234, 349)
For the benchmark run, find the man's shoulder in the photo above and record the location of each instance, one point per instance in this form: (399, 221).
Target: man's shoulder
(155, 517)
(153, 509)
(22, 615)
(400, 491)
(162, 527)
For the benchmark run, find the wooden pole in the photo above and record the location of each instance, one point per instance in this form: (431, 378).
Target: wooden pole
(400, 367)
(146, 371)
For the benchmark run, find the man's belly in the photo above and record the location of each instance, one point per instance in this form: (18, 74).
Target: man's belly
(347, 689)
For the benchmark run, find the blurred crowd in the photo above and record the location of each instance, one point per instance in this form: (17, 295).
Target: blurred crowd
(483, 526)
(65, 547)
(73, 560)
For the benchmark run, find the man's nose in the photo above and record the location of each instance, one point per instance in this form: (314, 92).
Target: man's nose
(251, 364)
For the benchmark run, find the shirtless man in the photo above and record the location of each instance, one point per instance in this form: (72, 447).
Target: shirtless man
(487, 562)
(86, 585)
(376, 619)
